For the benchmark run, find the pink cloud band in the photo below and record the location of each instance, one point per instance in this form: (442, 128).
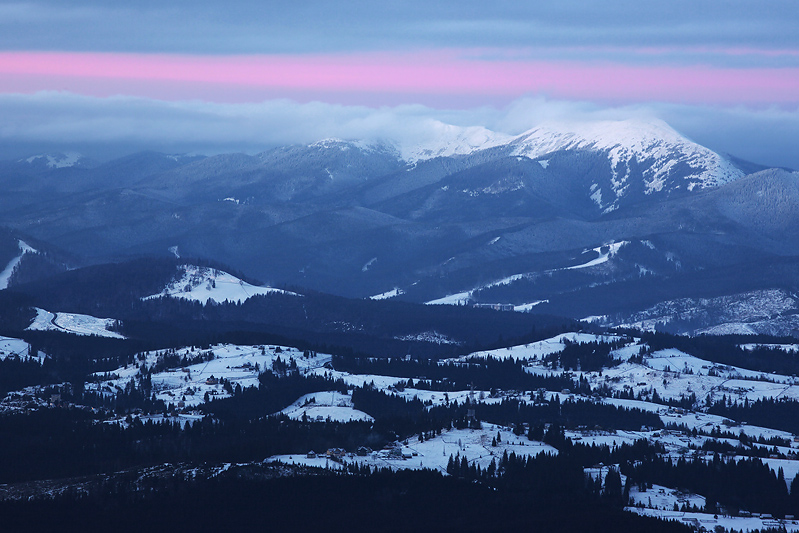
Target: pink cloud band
(436, 72)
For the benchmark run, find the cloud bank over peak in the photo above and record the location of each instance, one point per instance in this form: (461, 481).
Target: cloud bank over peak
(113, 126)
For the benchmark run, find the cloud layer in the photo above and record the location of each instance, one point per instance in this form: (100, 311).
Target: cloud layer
(313, 26)
(118, 125)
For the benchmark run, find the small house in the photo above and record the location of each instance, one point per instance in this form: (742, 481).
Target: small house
(337, 454)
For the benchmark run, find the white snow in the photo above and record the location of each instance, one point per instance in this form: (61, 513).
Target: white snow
(788, 348)
(74, 323)
(388, 294)
(537, 350)
(766, 311)
(321, 406)
(709, 521)
(596, 197)
(644, 141)
(359, 380)
(368, 264)
(204, 284)
(10, 347)
(594, 318)
(604, 256)
(5, 275)
(445, 140)
(606, 252)
(67, 159)
(238, 364)
(473, 444)
(460, 298)
(526, 307)
(427, 336)
(664, 498)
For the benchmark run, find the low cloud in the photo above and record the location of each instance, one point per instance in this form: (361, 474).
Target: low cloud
(105, 127)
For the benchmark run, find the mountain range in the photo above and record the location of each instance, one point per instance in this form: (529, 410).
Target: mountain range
(613, 220)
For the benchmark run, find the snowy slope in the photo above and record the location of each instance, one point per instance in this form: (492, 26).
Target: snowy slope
(238, 364)
(204, 284)
(5, 275)
(474, 445)
(604, 254)
(651, 141)
(321, 406)
(768, 311)
(445, 140)
(666, 160)
(540, 349)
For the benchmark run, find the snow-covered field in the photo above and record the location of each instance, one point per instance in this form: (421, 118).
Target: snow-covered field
(74, 323)
(10, 347)
(322, 406)
(660, 497)
(473, 444)
(203, 284)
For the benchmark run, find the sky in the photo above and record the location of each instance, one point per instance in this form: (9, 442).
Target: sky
(109, 77)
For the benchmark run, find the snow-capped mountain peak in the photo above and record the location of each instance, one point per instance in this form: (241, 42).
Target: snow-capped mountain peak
(667, 159)
(445, 140)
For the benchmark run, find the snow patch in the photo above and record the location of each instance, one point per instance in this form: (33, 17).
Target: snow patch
(526, 307)
(461, 298)
(321, 406)
(388, 294)
(65, 160)
(368, 264)
(604, 256)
